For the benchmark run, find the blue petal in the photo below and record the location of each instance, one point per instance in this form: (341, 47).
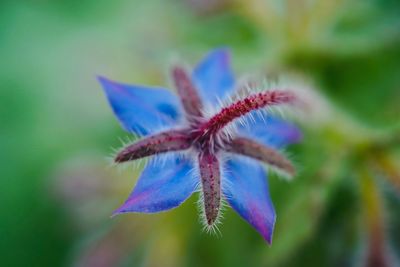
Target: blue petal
(271, 131)
(246, 190)
(164, 184)
(213, 76)
(141, 110)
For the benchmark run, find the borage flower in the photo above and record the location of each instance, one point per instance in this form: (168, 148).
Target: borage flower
(204, 152)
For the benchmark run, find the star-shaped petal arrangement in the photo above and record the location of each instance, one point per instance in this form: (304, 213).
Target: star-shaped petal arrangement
(195, 151)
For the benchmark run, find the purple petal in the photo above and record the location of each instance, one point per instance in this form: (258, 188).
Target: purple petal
(164, 184)
(271, 131)
(213, 75)
(246, 190)
(142, 110)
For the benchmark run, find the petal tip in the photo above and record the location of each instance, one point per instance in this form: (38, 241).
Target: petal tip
(272, 230)
(222, 49)
(119, 211)
(102, 80)
(114, 214)
(268, 238)
(268, 235)
(223, 53)
(106, 83)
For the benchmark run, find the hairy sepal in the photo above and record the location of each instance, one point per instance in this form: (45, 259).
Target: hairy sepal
(210, 175)
(174, 140)
(273, 158)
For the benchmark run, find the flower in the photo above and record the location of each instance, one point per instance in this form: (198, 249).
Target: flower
(213, 154)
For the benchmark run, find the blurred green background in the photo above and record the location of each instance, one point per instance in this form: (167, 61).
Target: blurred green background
(56, 130)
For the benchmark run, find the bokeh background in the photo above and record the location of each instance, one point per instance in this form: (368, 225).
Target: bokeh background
(56, 130)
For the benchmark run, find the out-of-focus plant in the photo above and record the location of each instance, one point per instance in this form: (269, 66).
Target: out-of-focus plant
(363, 153)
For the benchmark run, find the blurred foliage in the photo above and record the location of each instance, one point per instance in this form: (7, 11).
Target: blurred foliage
(56, 129)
